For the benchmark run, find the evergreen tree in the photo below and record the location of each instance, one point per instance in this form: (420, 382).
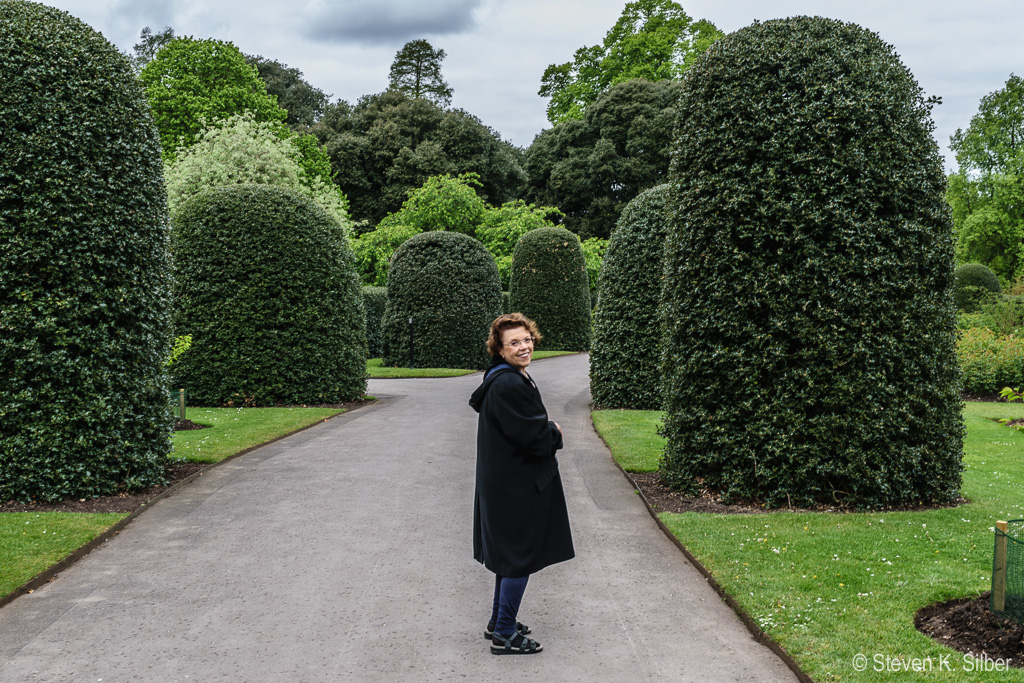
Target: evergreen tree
(416, 72)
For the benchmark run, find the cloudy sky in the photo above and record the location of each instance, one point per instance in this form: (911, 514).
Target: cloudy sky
(498, 49)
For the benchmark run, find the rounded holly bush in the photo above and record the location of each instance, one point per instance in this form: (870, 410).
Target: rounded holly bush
(264, 281)
(972, 284)
(84, 288)
(448, 284)
(809, 322)
(625, 368)
(549, 284)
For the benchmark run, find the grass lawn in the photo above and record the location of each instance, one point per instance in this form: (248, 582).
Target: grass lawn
(375, 370)
(32, 541)
(829, 586)
(235, 429)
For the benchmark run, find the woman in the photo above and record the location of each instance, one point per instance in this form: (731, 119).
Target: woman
(520, 522)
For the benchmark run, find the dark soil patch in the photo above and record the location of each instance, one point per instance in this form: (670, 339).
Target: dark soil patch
(664, 499)
(967, 625)
(185, 425)
(985, 398)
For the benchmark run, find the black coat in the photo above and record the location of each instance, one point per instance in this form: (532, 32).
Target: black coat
(520, 522)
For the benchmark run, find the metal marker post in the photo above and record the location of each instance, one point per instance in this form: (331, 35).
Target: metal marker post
(410, 344)
(999, 569)
(181, 405)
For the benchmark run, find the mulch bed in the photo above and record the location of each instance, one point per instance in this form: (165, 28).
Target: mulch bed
(967, 625)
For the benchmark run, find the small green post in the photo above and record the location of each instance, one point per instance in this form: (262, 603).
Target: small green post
(181, 405)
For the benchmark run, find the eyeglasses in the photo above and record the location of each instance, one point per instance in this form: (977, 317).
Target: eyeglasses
(516, 343)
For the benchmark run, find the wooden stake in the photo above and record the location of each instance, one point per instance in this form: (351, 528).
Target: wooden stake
(999, 569)
(181, 405)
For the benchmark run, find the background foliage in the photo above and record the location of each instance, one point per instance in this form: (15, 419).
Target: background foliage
(374, 300)
(416, 71)
(264, 283)
(83, 265)
(810, 327)
(625, 367)
(972, 284)
(550, 286)
(448, 284)
(303, 102)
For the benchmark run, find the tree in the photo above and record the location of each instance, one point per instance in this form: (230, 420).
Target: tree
(149, 44)
(304, 103)
(809, 327)
(191, 83)
(389, 143)
(416, 72)
(241, 152)
(593, 167)
(653, 39)
(84, 287)
(502, 227)
(987, 191)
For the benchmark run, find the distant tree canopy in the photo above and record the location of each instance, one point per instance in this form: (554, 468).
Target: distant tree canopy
(149, 44)
(987, 191)
(389, 143)
(191, 83)
(304, 103)
(653, 39)
(592, 168)
(416, 72)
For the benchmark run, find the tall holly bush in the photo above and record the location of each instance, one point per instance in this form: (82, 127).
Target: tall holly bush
(264, 282)
(810, 326)
(625, 369)
(549, 284)
(84, 288)
(448, 284)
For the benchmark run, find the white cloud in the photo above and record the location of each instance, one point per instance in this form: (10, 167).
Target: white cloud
(387, 21)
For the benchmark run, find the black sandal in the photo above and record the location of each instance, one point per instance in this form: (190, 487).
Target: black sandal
(522, 629)
(516, 645)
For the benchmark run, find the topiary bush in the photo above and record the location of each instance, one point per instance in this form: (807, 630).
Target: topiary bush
(264, 282)
(448, 283)
(374, 300)
(549, 284)
(625, 370)
(84, 291)
(972, 284)
(810, 328)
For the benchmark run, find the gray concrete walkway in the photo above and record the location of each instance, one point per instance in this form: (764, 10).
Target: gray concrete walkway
(344, 553)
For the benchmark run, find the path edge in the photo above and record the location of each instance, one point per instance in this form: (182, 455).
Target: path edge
(756, 631)
(49, 575)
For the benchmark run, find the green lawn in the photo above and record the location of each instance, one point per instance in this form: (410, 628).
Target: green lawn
(235, 429)
(31, 542)
(375, 370)
(829, 586)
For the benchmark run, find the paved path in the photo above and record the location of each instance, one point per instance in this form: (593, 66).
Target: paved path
(344, 553)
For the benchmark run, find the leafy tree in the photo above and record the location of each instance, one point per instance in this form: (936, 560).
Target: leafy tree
(987, 191)
(304, 103)
(241, 152)
(502, 227)
(190, 83)
(416, 72)
(149, 44)
(653, 39)
(389, 144)
(591, 168)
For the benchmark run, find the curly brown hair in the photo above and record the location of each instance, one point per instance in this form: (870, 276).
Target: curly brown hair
(509, 321)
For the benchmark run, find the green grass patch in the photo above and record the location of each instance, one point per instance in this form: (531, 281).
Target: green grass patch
(375, 370)
(541, 355)
(831, 586)
(632, 436)
(236, 429)
(32, 541)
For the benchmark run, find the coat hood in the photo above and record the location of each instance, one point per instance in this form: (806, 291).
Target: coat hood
(499, 367)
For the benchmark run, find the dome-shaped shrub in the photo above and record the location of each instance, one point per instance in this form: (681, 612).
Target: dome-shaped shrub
(549, 284)
(84, 290)
(448, 283)
(374, 301)
(625, 368)
(811, 334)
(264, 282)
(972, 283)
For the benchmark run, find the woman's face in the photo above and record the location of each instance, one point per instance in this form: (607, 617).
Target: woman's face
(517, 347)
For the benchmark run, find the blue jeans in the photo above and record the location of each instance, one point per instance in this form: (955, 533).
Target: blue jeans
(508, 593)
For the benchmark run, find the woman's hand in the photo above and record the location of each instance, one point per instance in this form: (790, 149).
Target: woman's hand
(559, 427)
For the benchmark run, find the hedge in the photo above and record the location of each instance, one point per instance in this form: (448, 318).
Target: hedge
(625, 368)
(374, 300)
(972, 284)
(990, 361)
(448, 283)
(810, 326)
(84, 291)
(549, 284)
(264, 282)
